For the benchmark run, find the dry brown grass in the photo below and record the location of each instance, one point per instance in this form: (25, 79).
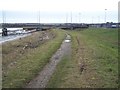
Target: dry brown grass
(12, 51)
(31, 54)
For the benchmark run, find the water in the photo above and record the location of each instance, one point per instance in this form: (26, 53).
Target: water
(11, 37)
(13, 33)
(11, 29)
(0, 30)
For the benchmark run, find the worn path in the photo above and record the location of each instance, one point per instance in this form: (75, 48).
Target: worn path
(43, 77)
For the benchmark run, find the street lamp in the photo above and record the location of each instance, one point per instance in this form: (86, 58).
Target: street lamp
(4, 16)
(71, 17)
(98, 19)
(92, 19)
(79, 17)
(66, 18)
(105, 14)
(39, 27)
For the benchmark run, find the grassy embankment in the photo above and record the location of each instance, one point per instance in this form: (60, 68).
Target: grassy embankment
(96, 50)
(24, 58)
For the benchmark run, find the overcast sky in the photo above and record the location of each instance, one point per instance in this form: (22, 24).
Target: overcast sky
(52, 11)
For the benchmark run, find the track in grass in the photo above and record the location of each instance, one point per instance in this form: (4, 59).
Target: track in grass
(94, 61)
(43, 77)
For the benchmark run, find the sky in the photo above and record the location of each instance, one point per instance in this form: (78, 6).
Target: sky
(59, 11)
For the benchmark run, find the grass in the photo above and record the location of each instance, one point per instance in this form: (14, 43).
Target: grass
(97, 49)
(104, 46)
(29, 64)
(13, 50)
(56, 78)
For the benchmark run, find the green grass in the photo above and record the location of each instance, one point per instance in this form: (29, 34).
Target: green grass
(104, 44)
(11, 51)
(98, 49)
(56, 78)
(31, 63)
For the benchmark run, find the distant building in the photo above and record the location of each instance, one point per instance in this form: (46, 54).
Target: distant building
(106, 25)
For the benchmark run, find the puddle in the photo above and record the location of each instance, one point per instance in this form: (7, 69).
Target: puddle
(67, 41)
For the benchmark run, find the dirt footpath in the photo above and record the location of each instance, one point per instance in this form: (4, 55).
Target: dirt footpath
(43, 77)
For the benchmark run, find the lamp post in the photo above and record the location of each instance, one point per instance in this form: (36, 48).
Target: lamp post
(66, 18)
(71, 17)
(4, 29)
(79, 17)
(39, 27)
(92, 19)
(3, 16)
(98, 19)
(105, 14)
(39, 17)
